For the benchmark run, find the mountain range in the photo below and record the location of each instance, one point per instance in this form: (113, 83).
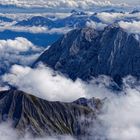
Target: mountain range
(81, 53)
(78, 19)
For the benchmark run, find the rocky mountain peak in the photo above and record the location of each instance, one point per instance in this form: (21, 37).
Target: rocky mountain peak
(86, 52)
(43, 117)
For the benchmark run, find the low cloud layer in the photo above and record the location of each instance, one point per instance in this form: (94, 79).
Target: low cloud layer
(131, 27)
(48, 85)
(121, 116)
(52, 86)
(110, 18)
(17, 51)
(20, 44)
(33, 29)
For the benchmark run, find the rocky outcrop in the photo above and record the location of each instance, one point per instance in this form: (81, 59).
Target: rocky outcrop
(43, 117)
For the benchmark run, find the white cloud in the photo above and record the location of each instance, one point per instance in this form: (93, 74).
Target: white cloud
(4, 88)
(17, 51)
(45, 83)
(131, 27)
(62, 30)
(20, 44)
(33, 29)
(110, 17)
(121, 116)
(95, 25)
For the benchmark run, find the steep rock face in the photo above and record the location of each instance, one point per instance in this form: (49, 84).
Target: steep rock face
(42, 117)
(86, 52)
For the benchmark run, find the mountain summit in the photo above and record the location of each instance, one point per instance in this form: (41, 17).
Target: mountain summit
(41, 117)
(84, 53)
